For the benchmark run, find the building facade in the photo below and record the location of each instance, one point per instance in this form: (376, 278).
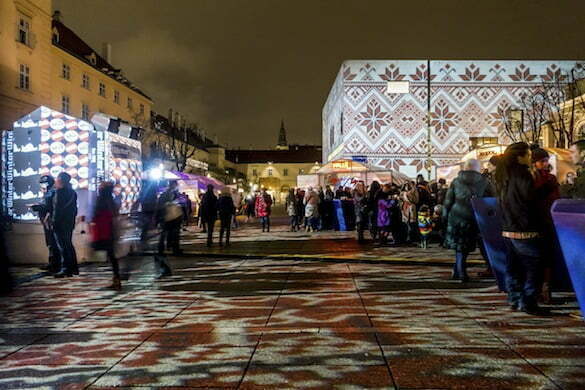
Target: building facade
(388, 112)
(44, 63)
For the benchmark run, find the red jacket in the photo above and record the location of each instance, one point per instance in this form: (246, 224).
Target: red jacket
(547, 191)
(102, 227)
(263, 205)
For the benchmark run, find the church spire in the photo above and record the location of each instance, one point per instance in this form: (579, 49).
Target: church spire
(282, 144)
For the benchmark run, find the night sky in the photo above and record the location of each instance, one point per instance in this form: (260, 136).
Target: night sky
(238, 66)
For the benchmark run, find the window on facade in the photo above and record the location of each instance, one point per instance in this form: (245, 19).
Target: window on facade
(85, 81)
(285, 172)
(270, 172)
(476, 142)
(66, 72)
(24, 77)
(65, 104)
(102, 89)
(301, 171)
(129, 103)
(117, 97)
(254, 172)
(24, 30)
(142, 108)
(85, 111)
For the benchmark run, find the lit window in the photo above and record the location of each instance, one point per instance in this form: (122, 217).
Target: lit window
(142, 108)
(65, 104)
(85, 111)
(301, 171)
(117, 97)
(102, 89)
(24, 30)
(129, 103)
(66, 72)
(85, 81)
(269, 171)
(24, 79)
(285, 172)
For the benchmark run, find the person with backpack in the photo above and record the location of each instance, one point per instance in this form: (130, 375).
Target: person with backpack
(263, 209)
(462, 231)
(103, 229)
(170, 216)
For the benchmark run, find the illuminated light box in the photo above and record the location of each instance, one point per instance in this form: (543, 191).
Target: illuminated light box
(48, 142)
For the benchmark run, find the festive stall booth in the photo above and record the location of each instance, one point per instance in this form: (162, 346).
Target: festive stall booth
(48, 142)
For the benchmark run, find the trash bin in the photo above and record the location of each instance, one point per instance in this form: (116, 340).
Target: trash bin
(569, 218)
(489, 220)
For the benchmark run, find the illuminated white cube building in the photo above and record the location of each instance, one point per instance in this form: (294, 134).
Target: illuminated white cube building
(376, 111)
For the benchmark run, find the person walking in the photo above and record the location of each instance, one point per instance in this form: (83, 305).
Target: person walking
(227, 210)
(103, 229)
(360, 206)
(170, 216)
(250, 206)
(209, 212)
(517, 198)
(462, 230)
(263, 209)
(300, 208)
(291, 209)
(62, 223)
(237, 199)
(409, 198)
(148, 204)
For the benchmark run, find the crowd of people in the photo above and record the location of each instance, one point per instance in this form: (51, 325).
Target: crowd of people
(415, 213)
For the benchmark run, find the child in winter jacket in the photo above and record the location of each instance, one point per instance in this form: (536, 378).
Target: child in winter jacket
(425, 225)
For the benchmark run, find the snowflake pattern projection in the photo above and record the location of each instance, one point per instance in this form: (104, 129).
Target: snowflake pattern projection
(355, 145)
(496, 119)
(408, 119)
(443, 119)
(374, 119)
(473, 119)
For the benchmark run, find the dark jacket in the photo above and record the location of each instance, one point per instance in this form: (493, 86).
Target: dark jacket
(518, 202)
(209, 206)
(64, 209)
(462, 231)
(225, 206)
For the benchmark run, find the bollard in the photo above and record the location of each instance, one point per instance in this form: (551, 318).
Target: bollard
(489, 221)
(569, 219)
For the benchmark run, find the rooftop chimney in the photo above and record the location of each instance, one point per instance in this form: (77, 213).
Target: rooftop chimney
(57, 16)
(107, 52)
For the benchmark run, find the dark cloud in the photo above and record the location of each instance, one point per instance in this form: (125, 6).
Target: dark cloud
(238, 66)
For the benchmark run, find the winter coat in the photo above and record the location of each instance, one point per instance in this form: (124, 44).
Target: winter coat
(102, 226)
(209, 207)
(425, 224)
(64, 209)
(547, 191)
(311, 211)
(409, 201)
(360, 206)
(225, 206)
(518, 202)
(462, 230)
(384, 206)
(291, 205)
(263, 205)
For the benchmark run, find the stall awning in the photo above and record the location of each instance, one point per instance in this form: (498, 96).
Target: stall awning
(198, 181)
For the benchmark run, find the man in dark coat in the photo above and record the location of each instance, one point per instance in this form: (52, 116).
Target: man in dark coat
(170, 216)
(45, 210)
(577, 189)
(227, 210)
(63, 218)
(209, 212)
(462, 230)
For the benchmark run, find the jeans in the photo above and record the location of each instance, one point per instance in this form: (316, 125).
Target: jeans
(523, 271)
(210, 223)
(460, 267)
(67, 255)
(225, 227)
(265, 222)
(293, 222)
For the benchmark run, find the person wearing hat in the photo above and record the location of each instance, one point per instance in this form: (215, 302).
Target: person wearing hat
(547, 191)
(63, 217)
(227, 210)
(45, 210)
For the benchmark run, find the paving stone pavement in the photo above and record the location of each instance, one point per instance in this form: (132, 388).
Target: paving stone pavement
(282, 324)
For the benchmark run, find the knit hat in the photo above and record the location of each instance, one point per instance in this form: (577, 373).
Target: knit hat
(539, 154)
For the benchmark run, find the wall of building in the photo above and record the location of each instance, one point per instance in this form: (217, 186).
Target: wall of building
(16, 102)
(468, 99)
(276, 176)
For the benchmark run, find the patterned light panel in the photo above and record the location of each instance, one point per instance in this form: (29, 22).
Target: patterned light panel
(468, 99)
